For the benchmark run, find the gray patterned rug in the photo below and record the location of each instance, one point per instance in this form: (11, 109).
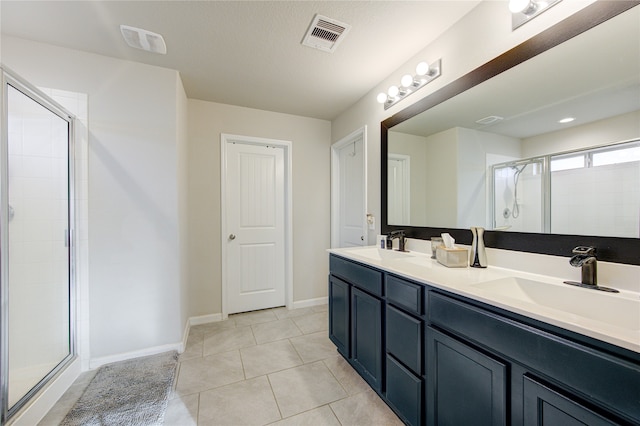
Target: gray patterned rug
(132, 392)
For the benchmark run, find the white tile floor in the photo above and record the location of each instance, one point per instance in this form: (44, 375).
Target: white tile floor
(275, 367)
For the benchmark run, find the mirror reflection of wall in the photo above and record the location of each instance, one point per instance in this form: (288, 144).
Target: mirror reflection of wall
(448, 178)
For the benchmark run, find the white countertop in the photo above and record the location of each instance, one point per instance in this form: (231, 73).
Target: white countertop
(465, 282)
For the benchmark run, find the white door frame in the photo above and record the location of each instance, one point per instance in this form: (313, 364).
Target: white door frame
(335, 184)
(288, 222)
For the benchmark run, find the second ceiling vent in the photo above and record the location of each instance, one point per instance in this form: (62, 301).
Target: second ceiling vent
(325, 33)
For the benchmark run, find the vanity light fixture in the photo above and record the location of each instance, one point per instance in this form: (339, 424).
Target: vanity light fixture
(522, 11)
(425, 73)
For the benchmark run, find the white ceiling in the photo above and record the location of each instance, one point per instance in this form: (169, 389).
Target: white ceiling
(249, 53)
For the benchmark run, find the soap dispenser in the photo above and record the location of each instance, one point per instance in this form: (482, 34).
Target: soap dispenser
(478, 257)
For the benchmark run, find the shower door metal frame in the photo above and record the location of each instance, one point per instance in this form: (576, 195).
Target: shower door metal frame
(9, 78)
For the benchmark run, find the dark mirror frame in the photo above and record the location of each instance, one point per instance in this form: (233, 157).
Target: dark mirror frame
(609, 249)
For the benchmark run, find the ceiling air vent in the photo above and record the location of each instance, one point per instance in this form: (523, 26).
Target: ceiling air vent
(325, 33)
(143, 39)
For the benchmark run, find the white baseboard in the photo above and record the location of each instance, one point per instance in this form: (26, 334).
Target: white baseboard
(205, 319)
(310, 302)
(97, 362)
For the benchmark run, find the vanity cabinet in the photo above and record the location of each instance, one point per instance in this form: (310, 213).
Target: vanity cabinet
(355, 317)
(551, 377)
(437, 358)
(404, 331)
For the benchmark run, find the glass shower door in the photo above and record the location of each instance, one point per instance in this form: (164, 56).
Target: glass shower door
(36, 253)
(518, 196)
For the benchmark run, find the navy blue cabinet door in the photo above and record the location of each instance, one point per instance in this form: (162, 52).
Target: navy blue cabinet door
(464, 386)
(339, 314)
(544, 406)
(404, 392)
(366, 337)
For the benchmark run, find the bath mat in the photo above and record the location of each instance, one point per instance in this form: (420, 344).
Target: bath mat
(132, 392)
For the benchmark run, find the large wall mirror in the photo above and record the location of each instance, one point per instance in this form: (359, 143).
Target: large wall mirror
(489, 149)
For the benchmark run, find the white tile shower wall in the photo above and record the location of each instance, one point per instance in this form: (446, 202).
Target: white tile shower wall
(602, 200)
(35, 246)
(527, 216)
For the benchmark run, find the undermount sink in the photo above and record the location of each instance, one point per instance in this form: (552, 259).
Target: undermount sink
(587, 303)
(380, 254)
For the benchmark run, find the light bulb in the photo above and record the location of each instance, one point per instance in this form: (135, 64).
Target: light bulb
(393, 91)
(422, 68)
(407, 80)
(381, 98)
(522, 6)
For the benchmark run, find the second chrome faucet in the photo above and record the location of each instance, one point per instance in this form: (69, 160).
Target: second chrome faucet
(585, 257)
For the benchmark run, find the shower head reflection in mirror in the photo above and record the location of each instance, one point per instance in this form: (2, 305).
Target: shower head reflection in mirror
(584, 192)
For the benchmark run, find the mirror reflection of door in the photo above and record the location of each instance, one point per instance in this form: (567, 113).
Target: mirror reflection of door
(398, 190)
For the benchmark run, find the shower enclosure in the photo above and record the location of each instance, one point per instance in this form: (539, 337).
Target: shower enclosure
(519, 196)
(590, 191)
(36, 252)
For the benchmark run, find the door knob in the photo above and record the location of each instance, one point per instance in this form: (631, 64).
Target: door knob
(232, 237)
(361, 237)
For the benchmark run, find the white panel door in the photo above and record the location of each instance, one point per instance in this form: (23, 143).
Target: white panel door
(255, 216)
(352, 195)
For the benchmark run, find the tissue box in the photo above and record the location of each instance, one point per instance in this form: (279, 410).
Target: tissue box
(453, 257)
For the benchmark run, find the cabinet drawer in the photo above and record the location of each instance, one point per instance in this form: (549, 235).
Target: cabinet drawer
(366, 278)
(405, 294)
(404, 338)
(404, 392)
(594, 375)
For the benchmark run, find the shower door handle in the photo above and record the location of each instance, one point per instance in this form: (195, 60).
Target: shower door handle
(66, 238)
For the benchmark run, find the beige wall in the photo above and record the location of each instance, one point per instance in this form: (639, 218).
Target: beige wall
(182, 169)
(311, 141)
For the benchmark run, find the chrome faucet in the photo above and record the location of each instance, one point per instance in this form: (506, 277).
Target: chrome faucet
(585, 257)
(401, 240)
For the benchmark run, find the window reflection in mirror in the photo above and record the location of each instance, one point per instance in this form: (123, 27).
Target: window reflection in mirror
(600, 197)
(593, 191)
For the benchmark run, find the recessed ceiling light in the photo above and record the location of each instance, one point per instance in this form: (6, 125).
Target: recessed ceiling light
(566, 120)
(490, 119)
